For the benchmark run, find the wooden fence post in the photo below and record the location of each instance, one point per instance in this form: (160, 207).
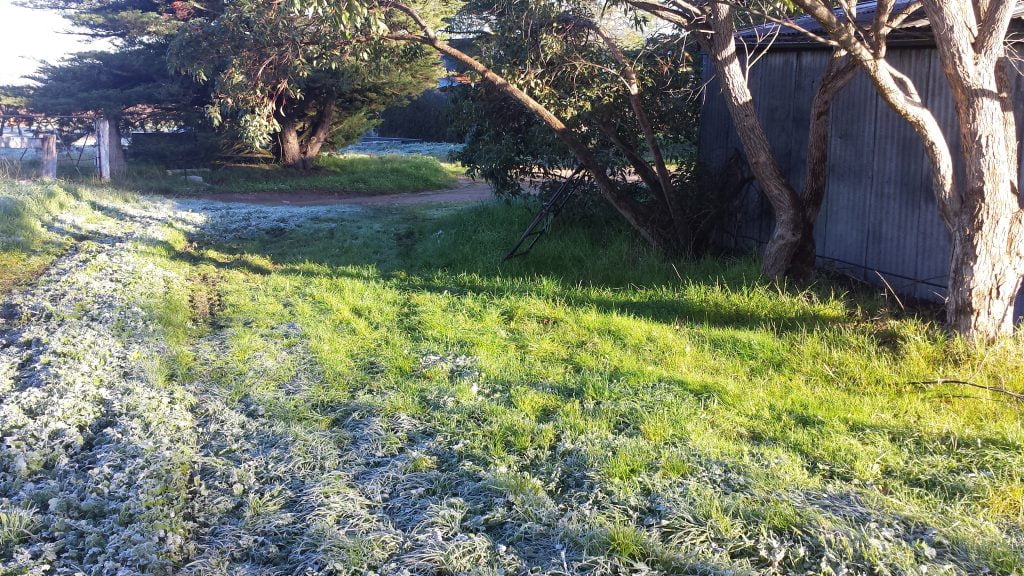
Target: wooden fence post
(103, 149)
(49, 156)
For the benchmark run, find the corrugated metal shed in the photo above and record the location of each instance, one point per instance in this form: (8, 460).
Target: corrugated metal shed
(793, 34)
(879, 221)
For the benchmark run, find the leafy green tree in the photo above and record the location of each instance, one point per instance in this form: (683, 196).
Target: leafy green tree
(288, 82)
(615, 95)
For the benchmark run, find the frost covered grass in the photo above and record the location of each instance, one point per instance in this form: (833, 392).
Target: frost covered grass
(31, 234)
(593, 408)
(203, 388)
(439, 150)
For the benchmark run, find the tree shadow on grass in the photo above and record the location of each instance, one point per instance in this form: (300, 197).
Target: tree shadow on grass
(458, 251)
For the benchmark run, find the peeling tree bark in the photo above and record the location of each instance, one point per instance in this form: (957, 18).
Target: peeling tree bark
(988, 235)
(983, 213)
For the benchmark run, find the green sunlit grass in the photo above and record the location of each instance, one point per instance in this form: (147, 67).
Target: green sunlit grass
(26, 246)
(348, 174)
(746, 405)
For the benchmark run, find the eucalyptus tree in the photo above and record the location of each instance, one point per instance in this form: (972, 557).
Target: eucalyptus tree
(983, 210)
(582, 74)
(626, 95)
(983, 213)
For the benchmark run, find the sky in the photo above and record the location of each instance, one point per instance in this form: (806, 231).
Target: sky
(30, 36)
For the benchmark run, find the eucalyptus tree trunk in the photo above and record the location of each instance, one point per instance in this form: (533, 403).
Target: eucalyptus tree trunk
(988, 234)
(790, 227)
(288, 140)
(791, 250)
(838, 74)
(983, 212)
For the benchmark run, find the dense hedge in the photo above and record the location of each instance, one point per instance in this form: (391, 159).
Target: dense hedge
(175, 150)
(427, 118)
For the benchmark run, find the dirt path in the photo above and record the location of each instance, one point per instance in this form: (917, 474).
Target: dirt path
(467, 191)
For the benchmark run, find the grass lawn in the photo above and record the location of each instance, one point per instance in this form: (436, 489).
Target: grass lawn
(594, 407)
(27, 246)
(348, 174)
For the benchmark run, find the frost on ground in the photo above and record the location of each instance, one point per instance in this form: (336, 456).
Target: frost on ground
(103, 461)
(90, 442)
(439, 150)
(108, 465)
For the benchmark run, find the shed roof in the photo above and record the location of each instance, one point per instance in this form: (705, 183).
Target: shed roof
(913, 30)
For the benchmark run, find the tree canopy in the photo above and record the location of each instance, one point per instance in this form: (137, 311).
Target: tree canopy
(133, 77)
(279, 74)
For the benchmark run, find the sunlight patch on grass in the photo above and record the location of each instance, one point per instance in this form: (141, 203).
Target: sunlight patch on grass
(29, 239)
(719, 409)
(340, 174)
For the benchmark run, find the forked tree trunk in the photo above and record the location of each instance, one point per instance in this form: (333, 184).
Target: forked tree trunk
(300, 145)
(791, 250)
(320, 131)
(790, 227)
(987, 263)
(984, 211)
(838, 74)
(288, 140)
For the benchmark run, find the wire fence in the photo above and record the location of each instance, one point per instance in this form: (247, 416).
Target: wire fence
(75, 138)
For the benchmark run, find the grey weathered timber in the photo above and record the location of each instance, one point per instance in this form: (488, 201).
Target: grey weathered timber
(879, 221)
(48, 147)
(45, 143)
(103, 149)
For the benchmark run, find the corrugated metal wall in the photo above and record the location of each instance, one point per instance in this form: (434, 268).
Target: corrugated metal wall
(879, 219)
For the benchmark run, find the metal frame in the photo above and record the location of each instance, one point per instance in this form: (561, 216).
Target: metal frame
(547, 213)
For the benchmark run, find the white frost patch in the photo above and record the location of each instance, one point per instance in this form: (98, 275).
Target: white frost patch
(229, 220)
(87, 439)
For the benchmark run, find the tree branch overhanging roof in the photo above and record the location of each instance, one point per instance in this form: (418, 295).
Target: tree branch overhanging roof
(797, 32)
